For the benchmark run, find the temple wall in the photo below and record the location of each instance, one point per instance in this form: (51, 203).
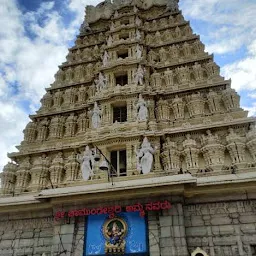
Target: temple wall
(28, 233)
(218, 228)
(222, 229)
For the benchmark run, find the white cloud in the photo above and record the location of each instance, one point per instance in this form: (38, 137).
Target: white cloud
(32, 45)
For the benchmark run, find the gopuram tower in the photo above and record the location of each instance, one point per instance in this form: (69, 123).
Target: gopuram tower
(137, 113)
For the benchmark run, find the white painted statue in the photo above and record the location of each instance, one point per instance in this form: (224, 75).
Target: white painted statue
(138, 51)
(101, 83)
(105, 59)
(145, 157)
(139, 76)
(138, 35)
(86, 161)
(142, 110)
(110, 41)
(96, 116)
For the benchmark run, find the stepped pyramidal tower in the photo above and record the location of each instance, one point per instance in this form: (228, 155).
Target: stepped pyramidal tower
(140, 147)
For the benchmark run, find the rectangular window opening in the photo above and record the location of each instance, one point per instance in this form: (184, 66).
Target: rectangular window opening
(122, 80)
(118, 160)
(124, 36)
(123, 54)
(120, 114)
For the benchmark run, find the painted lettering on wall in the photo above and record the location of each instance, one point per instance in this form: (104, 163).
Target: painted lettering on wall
(113, 210)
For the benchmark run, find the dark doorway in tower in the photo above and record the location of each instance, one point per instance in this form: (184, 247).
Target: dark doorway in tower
(121, 79)
(120, 114)
(123, 54)
(118, 160)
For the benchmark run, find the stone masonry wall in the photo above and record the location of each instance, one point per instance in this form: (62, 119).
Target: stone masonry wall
(222, 229)
(167, 232)
(27, 234)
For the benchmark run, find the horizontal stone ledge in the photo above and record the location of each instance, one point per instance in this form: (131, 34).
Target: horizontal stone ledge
(117, 186)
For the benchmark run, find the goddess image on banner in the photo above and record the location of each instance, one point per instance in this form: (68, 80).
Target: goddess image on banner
(125, 234)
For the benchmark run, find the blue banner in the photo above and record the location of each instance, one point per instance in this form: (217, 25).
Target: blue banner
(124, 234)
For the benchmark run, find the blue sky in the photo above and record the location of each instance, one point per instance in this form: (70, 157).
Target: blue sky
(35, 36)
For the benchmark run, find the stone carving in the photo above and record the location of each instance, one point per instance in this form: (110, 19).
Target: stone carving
(86, 163)
(138, 35)
(47, 101)
(212, 69)
(178, 107)
(82, 94)
(59, 77)
(56, 169)
(178, 33)
(30, 132)
(214, 102)
(152, 56)
(72, 167)
(101, 82)
(198, 72)
(195, 103)
(8, 177)
(187, 31)
(213, 151)
(251, 141)
(169, 77)
(82, 122)
(57, 98)
(174, 52)
(139, 75)
(183, 75)
(79, 73)
(198, 48)
(70, 125)
(22, 175)
(142, 110)
(163, 55)
(138, 21)
(186, 49)
(163, 110)
(236, 147)
(110, 41)
(145, 157)
(138, 51)
(105, 59)
(56, 127)
(156, 80)
(69, 75)
(85, 27)
(170, 156)
(42, 130)
(96, 116)
(69, 97)
(191, 152)
(40, 173)
(172, 6)
(231, 99)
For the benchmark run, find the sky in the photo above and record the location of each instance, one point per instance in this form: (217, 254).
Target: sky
(35, 36)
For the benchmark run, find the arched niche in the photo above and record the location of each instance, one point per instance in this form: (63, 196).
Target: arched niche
(199, 252)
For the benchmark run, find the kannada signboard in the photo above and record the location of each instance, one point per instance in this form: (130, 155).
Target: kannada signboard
(111, 211)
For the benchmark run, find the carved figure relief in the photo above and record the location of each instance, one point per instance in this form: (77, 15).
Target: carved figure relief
(145, 157)
(86, 163)
(56, 169)
(213, 151)
(236, 147)
(96, 116)
(191, 152)
(142, 109)
(72, 167)
(139, 76)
